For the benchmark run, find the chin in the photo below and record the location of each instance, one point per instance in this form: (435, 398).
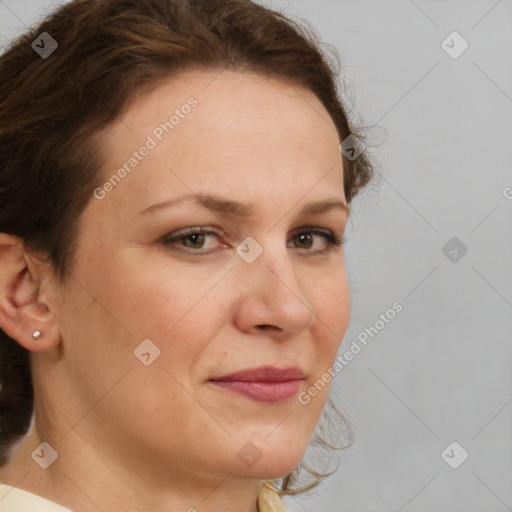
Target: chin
(271, 462)
(272, 469)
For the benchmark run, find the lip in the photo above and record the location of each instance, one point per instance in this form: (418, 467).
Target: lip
(267, 384)
(264, 374)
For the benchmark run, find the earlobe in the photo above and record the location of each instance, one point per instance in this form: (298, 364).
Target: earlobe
(22, 312)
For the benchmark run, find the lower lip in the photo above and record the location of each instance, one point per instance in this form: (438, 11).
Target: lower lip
(268, 392)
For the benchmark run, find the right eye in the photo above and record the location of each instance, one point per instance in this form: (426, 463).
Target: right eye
(191, 240)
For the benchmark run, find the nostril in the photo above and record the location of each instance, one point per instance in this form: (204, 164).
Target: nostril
(268, 326)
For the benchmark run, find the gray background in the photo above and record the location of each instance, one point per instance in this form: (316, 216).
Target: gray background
(440, 370)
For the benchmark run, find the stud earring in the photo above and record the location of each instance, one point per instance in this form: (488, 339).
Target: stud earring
(36, 335)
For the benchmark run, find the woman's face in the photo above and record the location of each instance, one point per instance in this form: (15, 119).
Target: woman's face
(154, 313)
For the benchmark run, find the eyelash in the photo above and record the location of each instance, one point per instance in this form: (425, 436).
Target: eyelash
(333, 241)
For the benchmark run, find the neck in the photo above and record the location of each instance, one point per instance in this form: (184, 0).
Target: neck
(83, 479)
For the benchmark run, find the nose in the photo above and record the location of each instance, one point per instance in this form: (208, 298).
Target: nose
(272, 297)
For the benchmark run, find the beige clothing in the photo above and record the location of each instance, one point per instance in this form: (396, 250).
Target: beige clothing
(13, 499)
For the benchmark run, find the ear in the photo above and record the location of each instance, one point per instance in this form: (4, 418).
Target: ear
(24, 308)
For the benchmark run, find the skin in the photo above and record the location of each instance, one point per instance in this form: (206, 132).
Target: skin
(161, 437)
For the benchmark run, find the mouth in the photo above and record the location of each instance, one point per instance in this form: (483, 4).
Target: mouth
(266, 384)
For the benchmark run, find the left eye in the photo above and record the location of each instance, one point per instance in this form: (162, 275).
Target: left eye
(194, 240)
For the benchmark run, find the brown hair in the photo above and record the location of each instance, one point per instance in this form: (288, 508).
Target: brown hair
(108, 52)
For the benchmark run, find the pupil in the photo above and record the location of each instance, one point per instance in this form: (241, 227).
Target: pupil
(305, 237)
(196, 238)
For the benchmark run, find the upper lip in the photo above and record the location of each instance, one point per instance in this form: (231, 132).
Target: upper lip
(264, 374)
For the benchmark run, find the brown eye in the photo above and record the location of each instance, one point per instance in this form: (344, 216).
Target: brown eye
(308, 238)
(196, 239)
(305, 240)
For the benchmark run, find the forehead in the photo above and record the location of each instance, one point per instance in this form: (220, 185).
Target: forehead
(222, 130)
(238, 101)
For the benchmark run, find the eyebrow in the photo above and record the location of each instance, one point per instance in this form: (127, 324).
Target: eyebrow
(230, 207)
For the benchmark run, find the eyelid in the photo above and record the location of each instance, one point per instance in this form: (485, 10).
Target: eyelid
(212, 229)
(176, 236)
(191, 231)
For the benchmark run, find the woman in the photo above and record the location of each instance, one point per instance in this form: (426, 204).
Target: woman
(173, 201)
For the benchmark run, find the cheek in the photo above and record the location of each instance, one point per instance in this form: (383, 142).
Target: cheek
(331, 302)
(151, 296)
(180, 310)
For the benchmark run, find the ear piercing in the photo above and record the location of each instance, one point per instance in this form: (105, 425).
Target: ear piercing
(36, 335)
